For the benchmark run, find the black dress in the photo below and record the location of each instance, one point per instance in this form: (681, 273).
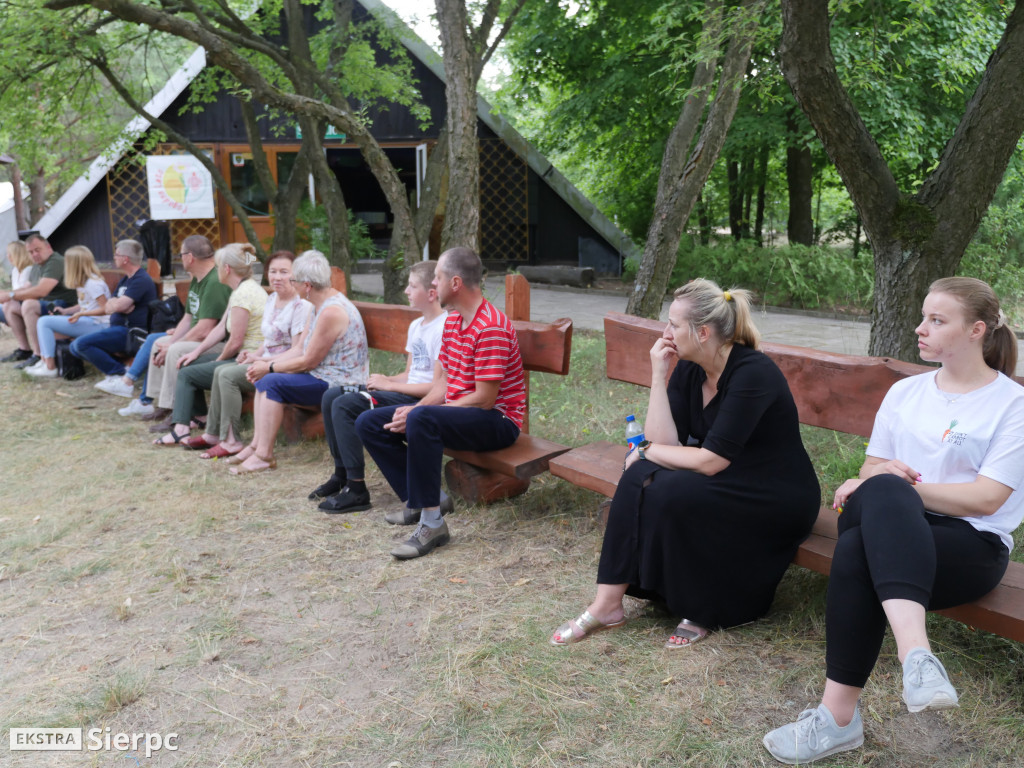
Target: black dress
(714, 548)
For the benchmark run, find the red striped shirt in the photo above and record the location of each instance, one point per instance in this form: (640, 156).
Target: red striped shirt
(487, 350)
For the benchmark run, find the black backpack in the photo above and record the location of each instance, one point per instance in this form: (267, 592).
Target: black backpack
(68, 366)
(165, 314)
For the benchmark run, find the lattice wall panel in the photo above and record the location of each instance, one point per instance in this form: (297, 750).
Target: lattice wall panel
(129, 202)
(504, 213)
(128, 197)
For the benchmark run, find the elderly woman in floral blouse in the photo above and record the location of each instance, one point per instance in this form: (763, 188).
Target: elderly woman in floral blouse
(333, 352)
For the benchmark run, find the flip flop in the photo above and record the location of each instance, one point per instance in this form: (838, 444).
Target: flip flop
(197, 443)
(217, 452)
(688, 633)
(159, 442)
(587, 624)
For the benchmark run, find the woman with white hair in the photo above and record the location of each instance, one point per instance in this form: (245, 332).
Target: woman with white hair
(333, 353)
(241, 324)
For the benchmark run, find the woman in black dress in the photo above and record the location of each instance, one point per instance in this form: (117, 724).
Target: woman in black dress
(710, 510)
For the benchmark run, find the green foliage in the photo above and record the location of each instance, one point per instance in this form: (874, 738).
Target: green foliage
(313, 231)
(791, 276)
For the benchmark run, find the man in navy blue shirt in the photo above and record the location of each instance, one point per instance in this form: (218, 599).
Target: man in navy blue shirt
(128, 308)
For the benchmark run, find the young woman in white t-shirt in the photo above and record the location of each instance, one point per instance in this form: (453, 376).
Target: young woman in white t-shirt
(82, 274)
(928, 523)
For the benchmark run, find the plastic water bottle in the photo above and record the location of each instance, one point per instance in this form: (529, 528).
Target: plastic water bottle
(634, 432)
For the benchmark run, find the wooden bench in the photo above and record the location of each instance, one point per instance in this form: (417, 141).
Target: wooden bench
(833, 391)
(481, 477)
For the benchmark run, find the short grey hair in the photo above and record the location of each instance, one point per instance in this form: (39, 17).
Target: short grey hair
(312, 267)
(131, 250)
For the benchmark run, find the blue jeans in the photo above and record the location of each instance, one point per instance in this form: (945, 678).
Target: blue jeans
(99, 348)
(140, 365)
(48, 325)
(411, 462)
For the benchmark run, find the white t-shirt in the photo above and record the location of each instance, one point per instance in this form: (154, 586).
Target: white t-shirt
(424, 344)
(954, 438)
(89, 294)
(19, 278)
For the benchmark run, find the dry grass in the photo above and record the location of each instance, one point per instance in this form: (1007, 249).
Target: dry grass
(266, 633)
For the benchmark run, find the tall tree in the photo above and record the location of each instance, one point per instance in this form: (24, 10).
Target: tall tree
(684, 171)
(466, 51)
(917, 237)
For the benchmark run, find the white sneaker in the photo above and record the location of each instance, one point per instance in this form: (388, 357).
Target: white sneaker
(116, 385)
(41, 365)
(41, 371)
(136, 408)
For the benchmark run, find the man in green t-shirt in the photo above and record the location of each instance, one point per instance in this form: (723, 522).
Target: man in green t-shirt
(206, 303)
(24, 306)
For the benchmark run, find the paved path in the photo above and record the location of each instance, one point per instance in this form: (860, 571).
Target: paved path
(587, 310)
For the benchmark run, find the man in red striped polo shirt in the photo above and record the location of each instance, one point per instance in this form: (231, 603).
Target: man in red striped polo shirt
(476, 403)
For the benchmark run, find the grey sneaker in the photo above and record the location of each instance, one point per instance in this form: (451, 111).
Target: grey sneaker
(422, 541)
(813, 736)
(406, 516)
(925, 683)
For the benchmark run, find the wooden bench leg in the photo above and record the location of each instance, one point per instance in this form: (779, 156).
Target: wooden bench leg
(481, 486)
(301, 424)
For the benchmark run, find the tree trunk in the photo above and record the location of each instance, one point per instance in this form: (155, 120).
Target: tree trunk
(37, 197)
(735, 200)
(676, 199)
(915, 239)
(703, 220)
(20, 214)
(762, 180)
(799, 184)
(462, 213)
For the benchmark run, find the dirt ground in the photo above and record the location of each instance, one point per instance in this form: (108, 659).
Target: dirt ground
(148, 592)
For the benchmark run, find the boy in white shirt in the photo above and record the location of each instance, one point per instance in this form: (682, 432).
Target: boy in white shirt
(346, 491)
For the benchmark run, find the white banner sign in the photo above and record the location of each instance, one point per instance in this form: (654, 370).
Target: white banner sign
(179, 188)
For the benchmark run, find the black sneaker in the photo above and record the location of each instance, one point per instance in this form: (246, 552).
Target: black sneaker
(329, 488)
(17, 356)
(29, 361)
(406, 516)
(346, 501)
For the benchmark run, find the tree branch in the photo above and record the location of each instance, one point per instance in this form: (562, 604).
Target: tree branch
(810, 69)
(218, 178)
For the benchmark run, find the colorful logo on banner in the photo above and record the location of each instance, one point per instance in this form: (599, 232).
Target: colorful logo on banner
(179, 188)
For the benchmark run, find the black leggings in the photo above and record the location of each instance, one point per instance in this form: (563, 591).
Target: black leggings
(889, 548)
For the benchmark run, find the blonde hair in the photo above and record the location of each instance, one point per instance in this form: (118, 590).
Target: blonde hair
(726, 313)
(238, 257)
(79, 267)
(17, 254)
(979, 302)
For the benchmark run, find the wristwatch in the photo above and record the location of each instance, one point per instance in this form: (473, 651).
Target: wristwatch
(271, 367)
(641, 447)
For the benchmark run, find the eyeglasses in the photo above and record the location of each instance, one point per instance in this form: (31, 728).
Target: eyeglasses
(185, 253)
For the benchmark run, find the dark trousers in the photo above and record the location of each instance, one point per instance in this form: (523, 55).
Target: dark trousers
(99, 348)
(411, 462)
(889, 549)
(340, 410)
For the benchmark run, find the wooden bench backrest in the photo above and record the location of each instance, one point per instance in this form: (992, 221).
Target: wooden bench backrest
(834, 391)
(545, 347)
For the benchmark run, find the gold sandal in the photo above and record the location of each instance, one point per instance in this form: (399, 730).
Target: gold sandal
(689, 633)
(588, 625)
